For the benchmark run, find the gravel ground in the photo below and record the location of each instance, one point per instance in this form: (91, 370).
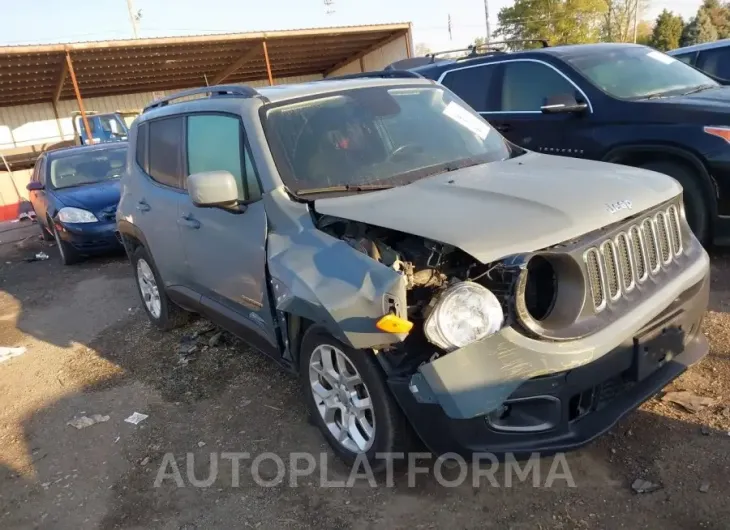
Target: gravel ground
(91, 351)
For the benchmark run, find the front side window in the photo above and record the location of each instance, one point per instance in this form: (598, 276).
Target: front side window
(716, 62)
(637, 72)
(686, 58)
(84, 168)
(215, 143)
(527, 85)
(377, 135)
(164, 157)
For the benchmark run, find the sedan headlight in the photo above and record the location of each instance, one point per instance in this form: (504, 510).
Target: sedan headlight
(76, 215)
(465, 313)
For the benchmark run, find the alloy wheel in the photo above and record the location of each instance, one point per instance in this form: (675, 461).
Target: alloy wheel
(148, 288)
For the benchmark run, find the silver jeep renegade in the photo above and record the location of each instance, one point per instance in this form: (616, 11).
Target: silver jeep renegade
(419, 273)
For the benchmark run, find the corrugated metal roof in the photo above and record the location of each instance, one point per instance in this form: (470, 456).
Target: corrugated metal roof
(38, 73)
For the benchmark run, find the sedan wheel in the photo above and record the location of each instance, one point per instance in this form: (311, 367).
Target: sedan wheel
(342, 398)
(148, 288)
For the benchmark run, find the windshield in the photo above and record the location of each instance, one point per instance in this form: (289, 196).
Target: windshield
(638, 72)
(87, 168)
(377, 136)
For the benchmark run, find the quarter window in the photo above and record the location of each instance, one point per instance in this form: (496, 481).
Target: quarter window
(165, 146)
(527, 85)
(141, 150)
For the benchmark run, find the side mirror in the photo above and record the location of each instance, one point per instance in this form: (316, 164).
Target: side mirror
(562, 103)
(34, 186)
(213, 188)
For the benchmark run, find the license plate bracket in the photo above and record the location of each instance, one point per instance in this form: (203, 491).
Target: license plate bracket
(652, 351)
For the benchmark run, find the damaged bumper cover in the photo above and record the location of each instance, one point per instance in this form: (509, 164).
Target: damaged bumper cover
(510, 393)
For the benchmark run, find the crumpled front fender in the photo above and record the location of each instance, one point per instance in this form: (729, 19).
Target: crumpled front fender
(323, 279)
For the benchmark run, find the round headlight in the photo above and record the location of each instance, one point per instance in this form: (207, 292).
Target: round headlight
(465, 313)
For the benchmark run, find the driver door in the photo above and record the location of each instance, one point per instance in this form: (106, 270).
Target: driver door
(524, 87)
(225, 250)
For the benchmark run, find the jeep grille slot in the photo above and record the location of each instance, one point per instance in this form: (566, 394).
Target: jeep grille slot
(650, 242)
(595, 277)
(612, 269)
(639, 253)
(675, 230)
(628, 274)
(662, 231)
(616, 266)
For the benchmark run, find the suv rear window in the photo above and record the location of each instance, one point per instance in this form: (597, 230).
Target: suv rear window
(165, 151)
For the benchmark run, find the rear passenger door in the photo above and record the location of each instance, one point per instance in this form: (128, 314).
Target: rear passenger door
(156, 201)
(524, 86)
(226, 250)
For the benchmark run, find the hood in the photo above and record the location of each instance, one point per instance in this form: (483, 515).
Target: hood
(519, 205)
(92, 197)
(712, 99)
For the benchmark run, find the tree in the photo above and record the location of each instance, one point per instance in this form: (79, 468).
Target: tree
(700, 29)
(618, 25)
(667, 31)
(557, 21)
(643, 32)
(719, 16)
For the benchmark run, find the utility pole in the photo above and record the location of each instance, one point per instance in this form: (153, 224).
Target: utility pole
(133, 17)
(486, 19)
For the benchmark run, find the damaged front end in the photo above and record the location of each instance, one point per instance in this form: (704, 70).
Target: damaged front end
(534, 343)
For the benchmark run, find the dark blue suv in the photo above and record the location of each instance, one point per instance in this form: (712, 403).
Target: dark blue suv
(621, 103)
(75, 193)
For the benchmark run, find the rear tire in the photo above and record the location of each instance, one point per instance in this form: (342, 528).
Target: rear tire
(354, 389)
(695, 195)
(161, 311)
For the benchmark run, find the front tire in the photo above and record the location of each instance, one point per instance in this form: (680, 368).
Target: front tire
(348, 399)
(68, 254)
(696, 205)
(161, 311)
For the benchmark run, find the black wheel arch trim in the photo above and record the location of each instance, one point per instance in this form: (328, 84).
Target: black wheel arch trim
(616, 153)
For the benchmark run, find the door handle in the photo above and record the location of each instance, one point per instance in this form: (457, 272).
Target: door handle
(188, 221)
(503, 127)
(142, 206)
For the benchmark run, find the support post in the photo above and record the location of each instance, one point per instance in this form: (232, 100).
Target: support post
(268, 64)
(78, 95)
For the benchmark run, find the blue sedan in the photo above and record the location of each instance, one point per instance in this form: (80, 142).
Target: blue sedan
(75, 193)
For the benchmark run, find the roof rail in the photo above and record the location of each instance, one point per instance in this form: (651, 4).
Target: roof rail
(213, 91)
(474, 50)
(384, 74)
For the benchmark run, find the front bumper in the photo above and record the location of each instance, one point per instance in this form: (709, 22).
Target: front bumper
(479, 400)
(89, 238)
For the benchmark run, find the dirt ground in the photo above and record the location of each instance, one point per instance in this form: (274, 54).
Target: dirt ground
(90, 350)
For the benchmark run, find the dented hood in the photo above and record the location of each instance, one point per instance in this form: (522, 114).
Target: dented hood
(519, 205)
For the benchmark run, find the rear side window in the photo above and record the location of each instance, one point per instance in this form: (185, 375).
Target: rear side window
(715, 62)
(687, 58)
(141, 148)
(215, 143)
(473, 85)
(165, 149)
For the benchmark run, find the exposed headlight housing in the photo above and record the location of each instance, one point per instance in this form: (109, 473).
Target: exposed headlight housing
(465, 313)
(76, 215)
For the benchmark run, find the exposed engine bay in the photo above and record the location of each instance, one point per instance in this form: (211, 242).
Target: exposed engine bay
(431, 269)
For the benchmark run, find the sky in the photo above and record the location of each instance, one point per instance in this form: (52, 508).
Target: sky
(52, 21)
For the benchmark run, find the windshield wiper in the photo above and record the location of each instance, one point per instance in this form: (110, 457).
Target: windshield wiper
(698, 88)
(655, 95)
(346, 187)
